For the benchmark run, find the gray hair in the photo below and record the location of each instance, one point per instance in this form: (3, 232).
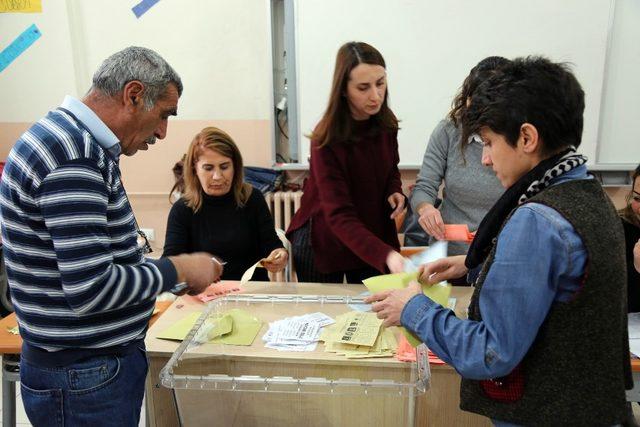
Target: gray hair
(136, 63)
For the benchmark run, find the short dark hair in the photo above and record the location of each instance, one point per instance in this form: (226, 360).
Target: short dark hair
(529, 90)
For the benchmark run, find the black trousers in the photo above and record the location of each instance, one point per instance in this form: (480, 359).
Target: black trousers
(306, 270)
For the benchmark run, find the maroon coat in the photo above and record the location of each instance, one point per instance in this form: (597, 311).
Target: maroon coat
(345, 197)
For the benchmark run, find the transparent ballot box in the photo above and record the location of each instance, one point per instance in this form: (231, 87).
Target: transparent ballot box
(219, 375)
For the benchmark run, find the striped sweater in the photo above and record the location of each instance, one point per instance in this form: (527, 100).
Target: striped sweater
(77, 276)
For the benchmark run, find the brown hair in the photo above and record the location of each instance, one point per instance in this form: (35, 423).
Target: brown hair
(212, 138)
(627, 213)
(336, 123)
(477, 75)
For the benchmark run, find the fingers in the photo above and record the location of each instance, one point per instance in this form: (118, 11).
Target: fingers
(397, 211)
(396, 200)
(431, 221)
(380, 296)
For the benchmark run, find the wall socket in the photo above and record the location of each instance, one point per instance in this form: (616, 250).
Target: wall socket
(150, 233)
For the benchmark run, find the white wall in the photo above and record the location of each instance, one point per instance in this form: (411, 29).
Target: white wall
(430, 46)
(221, 49)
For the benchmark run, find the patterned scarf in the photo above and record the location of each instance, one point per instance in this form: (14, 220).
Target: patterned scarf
(530, 184)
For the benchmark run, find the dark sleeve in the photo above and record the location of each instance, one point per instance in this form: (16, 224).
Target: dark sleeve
(266, 229)
(395, 183)
(340, 212)
(178, 238)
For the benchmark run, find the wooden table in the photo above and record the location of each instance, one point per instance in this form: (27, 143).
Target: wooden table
(439, 406)
(10, 348)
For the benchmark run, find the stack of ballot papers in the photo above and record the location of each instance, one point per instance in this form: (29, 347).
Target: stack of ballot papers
(235, 327)
(298, 333)
(358, 335)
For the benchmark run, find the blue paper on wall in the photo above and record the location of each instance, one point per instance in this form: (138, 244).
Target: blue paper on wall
(19, 45)
(142, 7)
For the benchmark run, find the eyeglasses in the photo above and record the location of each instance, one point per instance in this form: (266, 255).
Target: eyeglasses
(146, 246)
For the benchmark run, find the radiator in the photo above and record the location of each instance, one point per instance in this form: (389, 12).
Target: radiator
(283, 204)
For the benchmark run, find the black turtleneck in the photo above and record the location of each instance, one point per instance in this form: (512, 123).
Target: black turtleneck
(239, 236)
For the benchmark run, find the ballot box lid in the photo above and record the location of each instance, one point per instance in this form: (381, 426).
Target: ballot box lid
(262, 343)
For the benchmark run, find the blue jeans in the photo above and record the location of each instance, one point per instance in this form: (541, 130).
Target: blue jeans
(99, 391)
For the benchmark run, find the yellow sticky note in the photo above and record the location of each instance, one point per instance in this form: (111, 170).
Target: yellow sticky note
(245, 328)
(438, 293)
(22, 6)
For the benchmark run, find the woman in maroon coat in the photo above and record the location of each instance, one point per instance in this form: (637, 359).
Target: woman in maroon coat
(345, 225)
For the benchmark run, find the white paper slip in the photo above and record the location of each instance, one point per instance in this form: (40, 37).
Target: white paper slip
(284, 347)
(246, 277)
(434, 252)
(320, 318)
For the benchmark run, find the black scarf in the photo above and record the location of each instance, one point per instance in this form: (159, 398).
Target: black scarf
(527, 186)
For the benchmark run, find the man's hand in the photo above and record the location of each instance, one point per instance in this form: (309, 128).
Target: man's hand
(443, 269)
(198, 270)
(389, 304)
(636, 256)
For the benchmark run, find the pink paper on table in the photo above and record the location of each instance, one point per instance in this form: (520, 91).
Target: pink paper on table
(218, 290)
(406, 353)
(458, 233)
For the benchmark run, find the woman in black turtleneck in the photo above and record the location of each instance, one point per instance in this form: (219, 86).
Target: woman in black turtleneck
(630, 216)
(221, 214)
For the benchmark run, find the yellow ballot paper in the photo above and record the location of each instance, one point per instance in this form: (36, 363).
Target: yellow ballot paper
(439, 292)
(210, 329)
(213, 328)
(360, 329)
(245, 328)
(179, 330)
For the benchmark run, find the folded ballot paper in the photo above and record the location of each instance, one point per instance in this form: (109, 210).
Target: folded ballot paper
(358, 335)
(458, 233)
(235, 327)
(298, 333)
(439, 292)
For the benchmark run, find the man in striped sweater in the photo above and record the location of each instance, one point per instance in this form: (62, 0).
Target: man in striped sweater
(82, 289)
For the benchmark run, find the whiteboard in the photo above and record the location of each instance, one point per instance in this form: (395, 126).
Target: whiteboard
(619, 141)
(430, 46)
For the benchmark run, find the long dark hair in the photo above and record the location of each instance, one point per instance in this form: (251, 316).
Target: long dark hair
(627, 213)
(336, 123)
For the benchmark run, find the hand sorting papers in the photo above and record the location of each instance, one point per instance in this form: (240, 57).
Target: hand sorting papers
(439, 292)
(299, 333)
(358, 335)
